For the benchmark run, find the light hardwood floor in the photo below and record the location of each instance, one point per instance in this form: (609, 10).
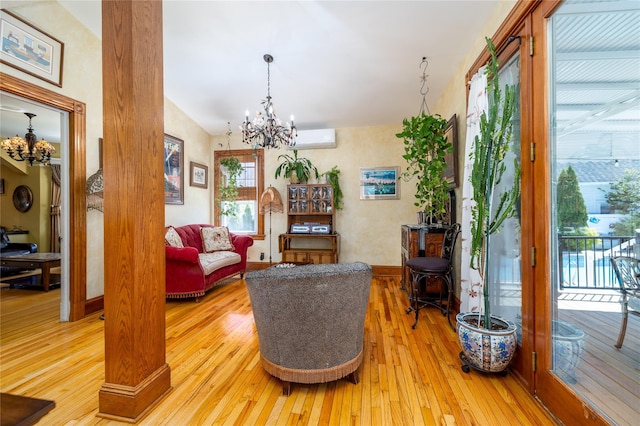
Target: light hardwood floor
(408, 377)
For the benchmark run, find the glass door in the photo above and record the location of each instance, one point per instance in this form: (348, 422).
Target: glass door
(591, 54)
(505, 248)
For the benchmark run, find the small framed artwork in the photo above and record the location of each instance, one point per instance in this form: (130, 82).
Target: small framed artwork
(2, 186)
(451, 171)
(199, 175)
(173, 170)
(379, 183)
(29, 49)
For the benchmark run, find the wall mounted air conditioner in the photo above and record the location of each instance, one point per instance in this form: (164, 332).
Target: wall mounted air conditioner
(313, 139)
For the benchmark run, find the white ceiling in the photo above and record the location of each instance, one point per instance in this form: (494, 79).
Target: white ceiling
(357, 63)
(336, 63)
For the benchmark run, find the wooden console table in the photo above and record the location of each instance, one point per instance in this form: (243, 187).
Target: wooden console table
(43, 261)
(301, 254)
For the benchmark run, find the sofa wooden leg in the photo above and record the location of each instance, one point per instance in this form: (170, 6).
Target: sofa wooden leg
(286, 388)
(354, 378)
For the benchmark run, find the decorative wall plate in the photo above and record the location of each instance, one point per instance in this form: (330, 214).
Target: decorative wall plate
(22, 198)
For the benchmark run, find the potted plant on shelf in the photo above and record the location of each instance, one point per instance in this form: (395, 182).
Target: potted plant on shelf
(228, 187)
(425, 149)
(297, 169)
(475, 329)
(332, 177)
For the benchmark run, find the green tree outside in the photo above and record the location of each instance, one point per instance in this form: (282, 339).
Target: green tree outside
(624, 197)
(572, 210)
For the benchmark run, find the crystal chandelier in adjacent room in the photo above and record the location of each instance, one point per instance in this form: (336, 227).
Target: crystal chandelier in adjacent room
(266, 130)
(28, 148)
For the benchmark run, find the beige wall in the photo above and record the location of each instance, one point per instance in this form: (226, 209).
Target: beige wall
(197, 201)
(82, 80)
(370, 230)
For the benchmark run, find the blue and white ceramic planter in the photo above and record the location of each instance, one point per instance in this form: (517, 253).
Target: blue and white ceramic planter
(486, 350)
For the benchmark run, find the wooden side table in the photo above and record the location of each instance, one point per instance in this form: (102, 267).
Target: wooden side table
(42, 261)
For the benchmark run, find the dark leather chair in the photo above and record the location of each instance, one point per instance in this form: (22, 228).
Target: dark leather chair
(627, 271)
(428, 268)
(9, 249)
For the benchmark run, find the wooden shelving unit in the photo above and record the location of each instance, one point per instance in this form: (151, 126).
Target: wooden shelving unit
(311, 236)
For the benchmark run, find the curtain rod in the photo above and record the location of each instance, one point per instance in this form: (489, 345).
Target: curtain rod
(508, 42)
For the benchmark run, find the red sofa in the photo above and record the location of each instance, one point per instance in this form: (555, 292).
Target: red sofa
(185, 275)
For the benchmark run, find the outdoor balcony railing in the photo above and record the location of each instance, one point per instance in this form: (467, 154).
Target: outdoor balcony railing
(584, 261)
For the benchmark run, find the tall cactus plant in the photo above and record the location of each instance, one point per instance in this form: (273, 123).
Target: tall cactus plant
(488, 156)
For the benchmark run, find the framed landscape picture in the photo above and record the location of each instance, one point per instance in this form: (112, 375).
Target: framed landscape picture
(199, 175)
(451, 171)
(29, 49)
(379, 183)
(173, 170)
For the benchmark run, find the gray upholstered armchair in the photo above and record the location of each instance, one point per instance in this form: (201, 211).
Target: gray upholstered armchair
(310, 320)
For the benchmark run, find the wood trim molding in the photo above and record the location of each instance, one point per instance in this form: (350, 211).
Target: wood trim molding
(94, 305)
(379, 271)
(77, 179)
(515, 19)
(132, 403)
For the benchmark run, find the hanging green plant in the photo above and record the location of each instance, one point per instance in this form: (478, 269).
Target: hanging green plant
(332, 177)
(425, 149)
(228, 187)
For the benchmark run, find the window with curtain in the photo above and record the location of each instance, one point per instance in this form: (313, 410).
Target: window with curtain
(243, 216)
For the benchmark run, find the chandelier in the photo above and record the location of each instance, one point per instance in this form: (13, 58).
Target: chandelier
(28, 148)
(267, 130)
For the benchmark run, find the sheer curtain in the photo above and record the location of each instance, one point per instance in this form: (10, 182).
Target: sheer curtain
(54, 241)
(470, 282)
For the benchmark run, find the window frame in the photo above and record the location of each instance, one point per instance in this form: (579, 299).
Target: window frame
(258, 154)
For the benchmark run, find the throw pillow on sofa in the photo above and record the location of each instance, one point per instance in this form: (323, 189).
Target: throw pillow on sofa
(172, 238)
(216, 238)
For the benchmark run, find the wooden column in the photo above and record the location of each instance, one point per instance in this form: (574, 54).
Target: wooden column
(136, 372)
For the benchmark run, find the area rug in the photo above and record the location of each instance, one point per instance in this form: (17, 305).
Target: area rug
(22, 411)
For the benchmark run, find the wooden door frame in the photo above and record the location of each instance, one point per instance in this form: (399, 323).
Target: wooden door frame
(77, 178)
(552, 391)
(517, 23)
(533, 364)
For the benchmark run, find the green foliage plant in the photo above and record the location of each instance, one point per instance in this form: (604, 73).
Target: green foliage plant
(228, 186)
(333, 178)
(624, 197)
(296, 168)
(488, 156)
(425, 149)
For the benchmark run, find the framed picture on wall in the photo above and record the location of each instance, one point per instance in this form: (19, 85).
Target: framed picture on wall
(29, 49)
(173, 170)
(199, 175)
(451, 171)
(379, 183)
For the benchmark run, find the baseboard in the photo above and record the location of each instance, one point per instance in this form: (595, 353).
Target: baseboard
(387, 271)
(93, 305)
(377, 270)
